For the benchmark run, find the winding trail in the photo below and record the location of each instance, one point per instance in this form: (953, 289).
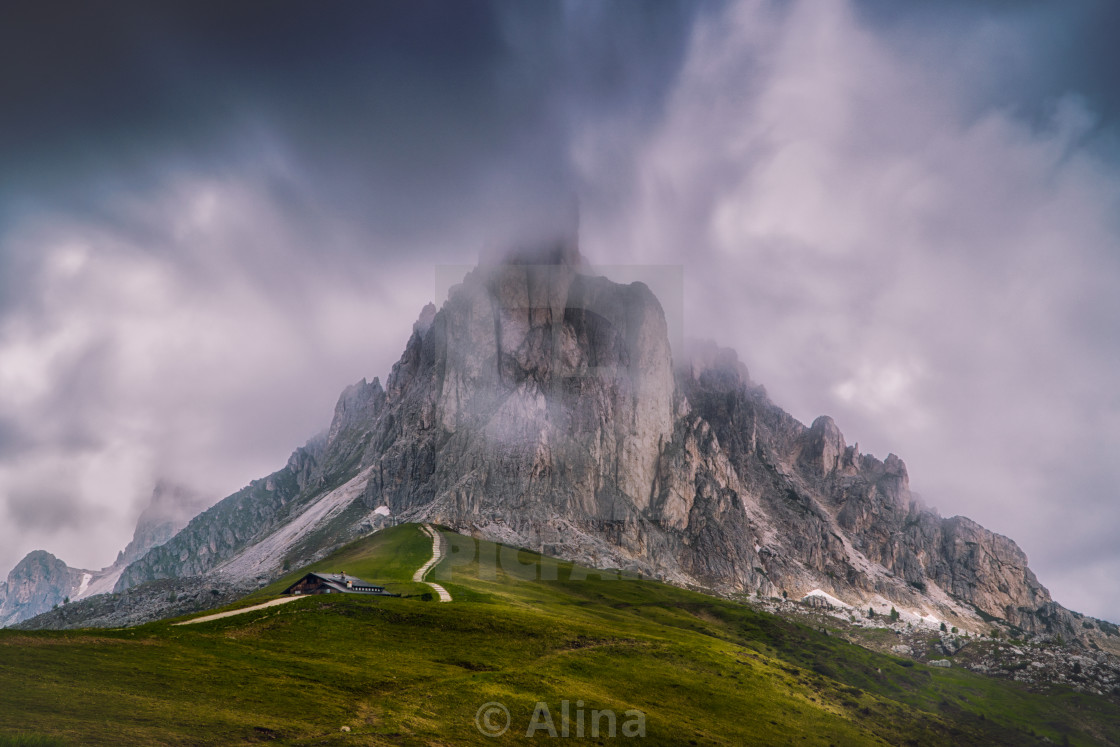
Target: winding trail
(418, 577)
(242, 611)
(437, 554)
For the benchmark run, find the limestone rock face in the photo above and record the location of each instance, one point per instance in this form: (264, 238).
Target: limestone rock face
(37, 583)
(824, 447)
(541, 406)
(989, 571)
(536, 393)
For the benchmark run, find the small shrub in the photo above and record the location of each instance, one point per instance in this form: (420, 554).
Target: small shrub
(894, 614)
(946, 630)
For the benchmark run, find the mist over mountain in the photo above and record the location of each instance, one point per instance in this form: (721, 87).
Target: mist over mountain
(41, 581)
(542, 406)
(902, 215)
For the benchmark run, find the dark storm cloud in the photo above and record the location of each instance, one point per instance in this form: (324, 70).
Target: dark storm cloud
(1049, 49)
(393, 112)
(128, 74)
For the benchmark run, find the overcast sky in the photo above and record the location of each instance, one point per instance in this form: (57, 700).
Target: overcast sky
(214, 216)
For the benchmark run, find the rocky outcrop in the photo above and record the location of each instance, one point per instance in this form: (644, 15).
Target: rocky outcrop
(38, 583)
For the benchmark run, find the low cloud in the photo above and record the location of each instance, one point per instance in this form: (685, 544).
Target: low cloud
(45, 509)
(202, 355)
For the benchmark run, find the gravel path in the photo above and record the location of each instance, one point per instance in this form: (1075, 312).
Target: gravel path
(437, 554)
(242, 611)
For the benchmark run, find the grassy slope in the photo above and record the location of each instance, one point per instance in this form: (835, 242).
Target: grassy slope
(703, 670)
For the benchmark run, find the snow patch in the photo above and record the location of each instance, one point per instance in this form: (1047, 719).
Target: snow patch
(382, 511)
(828, 598)
(883, 606)
(99, 582)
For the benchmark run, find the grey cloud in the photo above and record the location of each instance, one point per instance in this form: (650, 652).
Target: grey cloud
(13, 440)
(406, 118)
(47, 509)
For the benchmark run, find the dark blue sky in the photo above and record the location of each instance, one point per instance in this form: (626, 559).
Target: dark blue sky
(213, 216)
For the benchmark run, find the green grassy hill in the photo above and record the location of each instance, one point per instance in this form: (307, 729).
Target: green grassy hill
(521, 630)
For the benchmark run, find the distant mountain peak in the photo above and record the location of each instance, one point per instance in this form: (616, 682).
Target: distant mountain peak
(40, 581)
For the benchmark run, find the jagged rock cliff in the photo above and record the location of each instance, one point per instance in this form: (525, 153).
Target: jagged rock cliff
(541, 406)
(847, 523)
(38, 583)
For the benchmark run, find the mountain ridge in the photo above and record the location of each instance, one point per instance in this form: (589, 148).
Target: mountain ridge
(541, 406)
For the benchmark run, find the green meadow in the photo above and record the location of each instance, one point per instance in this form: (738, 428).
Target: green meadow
(524, 632)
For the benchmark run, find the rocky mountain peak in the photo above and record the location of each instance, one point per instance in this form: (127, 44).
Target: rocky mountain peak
(37, 583)
(169, 509)
(424, 322)
(721, 366)
(540, 406)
